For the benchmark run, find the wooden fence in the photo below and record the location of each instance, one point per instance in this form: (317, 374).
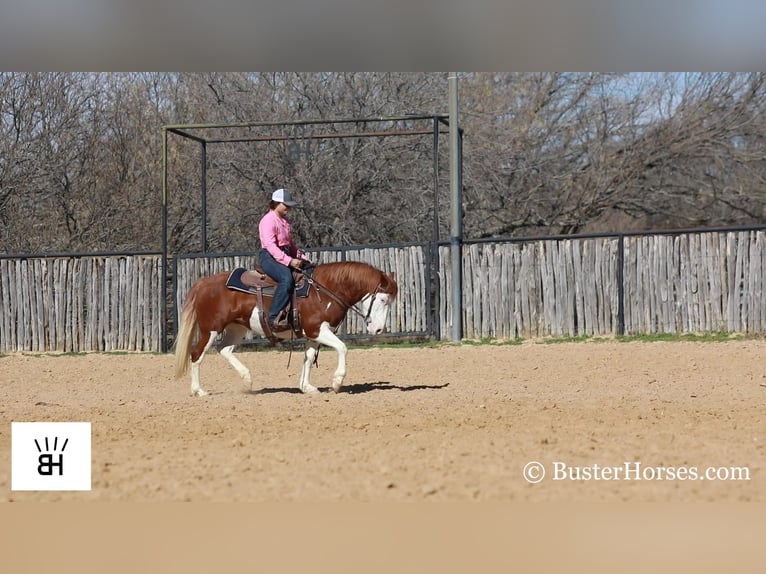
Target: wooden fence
(700, 282)
(696, 283)
(662, 283)
(534, 289)
(71, 304)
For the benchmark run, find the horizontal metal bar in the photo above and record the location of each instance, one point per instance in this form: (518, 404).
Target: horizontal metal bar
(79, 254)
(324, 136)
(346, 248)
(185, 135)
(615, 234)
(382, 338)
(408, 117)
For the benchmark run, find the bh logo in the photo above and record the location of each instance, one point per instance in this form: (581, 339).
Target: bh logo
(50, 456)
(47, 463)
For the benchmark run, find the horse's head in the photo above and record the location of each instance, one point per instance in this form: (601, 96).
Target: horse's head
(377, 305)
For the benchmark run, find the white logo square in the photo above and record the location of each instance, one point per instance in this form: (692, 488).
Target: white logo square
(50, 456)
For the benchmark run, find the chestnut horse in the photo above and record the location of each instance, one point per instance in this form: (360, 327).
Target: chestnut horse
(211, 309)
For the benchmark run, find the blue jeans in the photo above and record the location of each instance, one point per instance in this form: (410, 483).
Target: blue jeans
(283, 276)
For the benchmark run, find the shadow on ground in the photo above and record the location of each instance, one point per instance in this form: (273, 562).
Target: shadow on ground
(353, 389)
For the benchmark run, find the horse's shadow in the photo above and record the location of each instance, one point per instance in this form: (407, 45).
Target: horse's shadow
(354, 389)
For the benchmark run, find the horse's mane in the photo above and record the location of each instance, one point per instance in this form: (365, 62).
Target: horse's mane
(356, 273)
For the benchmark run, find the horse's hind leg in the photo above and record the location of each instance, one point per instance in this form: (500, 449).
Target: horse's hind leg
(232, 336)
(197, 355)
(312, 348)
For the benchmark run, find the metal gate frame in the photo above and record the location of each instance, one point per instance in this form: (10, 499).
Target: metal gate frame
(198, 133)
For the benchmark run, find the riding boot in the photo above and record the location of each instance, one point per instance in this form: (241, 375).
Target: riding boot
(280, 322)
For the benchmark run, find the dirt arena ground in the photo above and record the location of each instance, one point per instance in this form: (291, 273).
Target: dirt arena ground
(453, 423)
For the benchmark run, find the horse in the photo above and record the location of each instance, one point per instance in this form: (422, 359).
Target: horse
(212, 309)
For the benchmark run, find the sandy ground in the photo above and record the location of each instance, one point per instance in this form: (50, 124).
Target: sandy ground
(454, 423)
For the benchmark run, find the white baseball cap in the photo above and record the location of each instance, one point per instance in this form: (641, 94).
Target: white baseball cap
(283, 196)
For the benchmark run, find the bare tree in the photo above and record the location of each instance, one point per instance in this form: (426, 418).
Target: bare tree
(544, 153)
(561, 153)
(80, 168)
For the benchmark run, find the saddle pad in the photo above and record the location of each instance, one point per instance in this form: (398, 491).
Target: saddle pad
(234, 282)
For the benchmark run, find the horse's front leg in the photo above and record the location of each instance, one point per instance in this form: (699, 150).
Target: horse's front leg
(327, 337)
(312, 348)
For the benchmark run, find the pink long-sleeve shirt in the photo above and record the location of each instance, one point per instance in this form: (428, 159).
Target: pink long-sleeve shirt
(276, 234)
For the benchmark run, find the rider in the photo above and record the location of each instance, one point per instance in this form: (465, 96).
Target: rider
(279, 254)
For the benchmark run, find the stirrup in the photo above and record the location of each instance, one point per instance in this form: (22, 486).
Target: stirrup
(279, 326)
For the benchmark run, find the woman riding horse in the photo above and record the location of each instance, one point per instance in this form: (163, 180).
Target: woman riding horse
(279, 254)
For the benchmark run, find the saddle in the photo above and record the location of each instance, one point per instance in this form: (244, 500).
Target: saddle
(257, 282)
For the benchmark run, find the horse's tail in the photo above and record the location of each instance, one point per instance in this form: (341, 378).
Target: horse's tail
(186, 332)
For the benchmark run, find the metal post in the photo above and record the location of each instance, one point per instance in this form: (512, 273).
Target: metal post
(164, 263)
(436, 181)
(456, 192)
(203, 216)
(434, 250)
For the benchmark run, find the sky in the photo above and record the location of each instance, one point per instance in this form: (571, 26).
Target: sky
(403, 35)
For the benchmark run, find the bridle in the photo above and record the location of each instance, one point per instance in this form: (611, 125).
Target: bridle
(321, 288)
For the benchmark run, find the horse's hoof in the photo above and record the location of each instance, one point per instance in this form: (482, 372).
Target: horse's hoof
(199, 393)
(310, 390)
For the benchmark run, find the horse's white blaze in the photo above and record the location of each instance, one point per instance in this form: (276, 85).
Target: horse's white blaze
(378, 314)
